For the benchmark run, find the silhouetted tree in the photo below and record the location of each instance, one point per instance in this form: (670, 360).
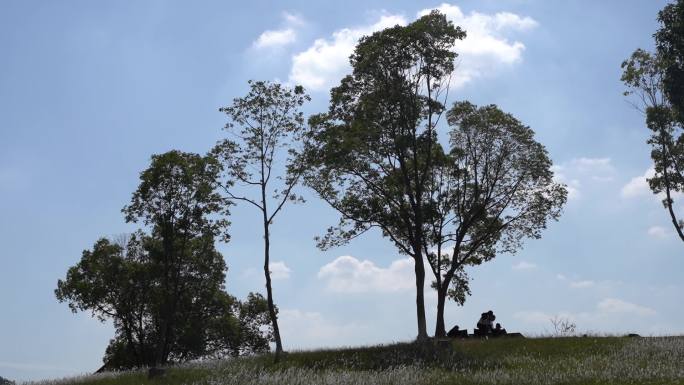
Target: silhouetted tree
(669, 41)
(372, 154)
(492, 190)
(655, 78)
(164, 291)
(265, 128)
(177, 197)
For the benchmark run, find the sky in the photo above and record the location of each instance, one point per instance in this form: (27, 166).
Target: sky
(90, 90)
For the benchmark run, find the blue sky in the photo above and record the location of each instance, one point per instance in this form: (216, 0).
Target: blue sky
(89, 90)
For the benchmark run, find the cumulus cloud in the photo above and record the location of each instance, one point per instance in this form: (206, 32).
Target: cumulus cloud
(485, 50)
(347, 274)
(275, 38)
(327, 60)
(638, 186)
(578, 171)
(524, 265)
(279, 270)
(280, 37)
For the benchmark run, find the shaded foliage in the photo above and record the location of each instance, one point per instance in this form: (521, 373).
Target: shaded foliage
(669, 41)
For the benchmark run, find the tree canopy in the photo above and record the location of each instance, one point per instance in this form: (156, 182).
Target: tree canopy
(372, 153)
(492, 190)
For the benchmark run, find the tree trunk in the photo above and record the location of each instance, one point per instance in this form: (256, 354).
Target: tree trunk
(164, 315)
(440, 330)
(267, 274)
(420, 297)
(442, 290)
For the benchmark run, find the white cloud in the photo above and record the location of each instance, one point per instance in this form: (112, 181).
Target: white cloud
(638, 186)
(347, 274)
(523, 265)
(485, 50)
(658, 232)
(614, 305)
(486, 47)
(293, 20)
(280, 37)
(274, 38)
(279, 270)
(577, 171)
(582, 284)
(327, 60)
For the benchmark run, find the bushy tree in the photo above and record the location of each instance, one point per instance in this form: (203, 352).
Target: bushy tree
(165, 291)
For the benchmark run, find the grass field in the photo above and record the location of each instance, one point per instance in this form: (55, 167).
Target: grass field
(571, 360)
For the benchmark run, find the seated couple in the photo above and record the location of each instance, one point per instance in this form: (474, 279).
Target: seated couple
(485, 326)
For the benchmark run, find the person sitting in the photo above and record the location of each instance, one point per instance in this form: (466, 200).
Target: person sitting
(486, 323)
(455, 332)
(498, 331)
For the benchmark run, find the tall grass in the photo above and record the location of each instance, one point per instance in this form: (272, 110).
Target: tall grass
(573, 360)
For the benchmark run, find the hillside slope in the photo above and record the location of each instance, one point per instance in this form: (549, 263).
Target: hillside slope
(572, 360)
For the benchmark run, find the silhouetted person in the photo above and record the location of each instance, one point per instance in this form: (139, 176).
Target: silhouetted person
(455, 332)
(486, 323)
(498, 331)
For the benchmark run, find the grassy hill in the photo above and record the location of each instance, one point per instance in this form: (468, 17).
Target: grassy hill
(572, 360)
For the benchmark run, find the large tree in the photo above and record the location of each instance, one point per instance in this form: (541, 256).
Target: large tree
(372, 154)
(647, 76)
(493, 189)
(260, 160)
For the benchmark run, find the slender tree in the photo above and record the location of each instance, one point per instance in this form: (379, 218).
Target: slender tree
(372, 154)
(494, 189)
(265, 128)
